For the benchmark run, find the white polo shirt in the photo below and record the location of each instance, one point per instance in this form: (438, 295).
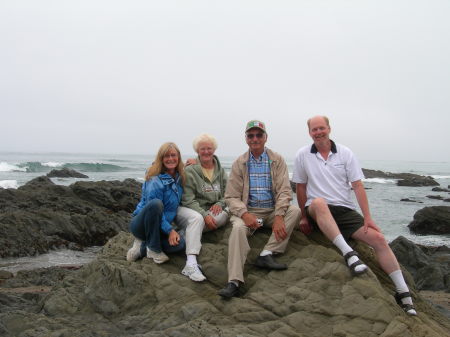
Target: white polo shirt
(329, 179)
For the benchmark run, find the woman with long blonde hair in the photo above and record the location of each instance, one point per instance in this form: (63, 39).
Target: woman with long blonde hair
(152, 220)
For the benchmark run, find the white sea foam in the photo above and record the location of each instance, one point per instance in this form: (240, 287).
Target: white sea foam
(5, 167)
(379, 181)
(53, 164)
(440, 177)
(8, 183)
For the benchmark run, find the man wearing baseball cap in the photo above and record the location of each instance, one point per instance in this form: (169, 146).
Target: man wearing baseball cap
(258, 193)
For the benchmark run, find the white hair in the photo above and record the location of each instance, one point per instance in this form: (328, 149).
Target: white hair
(204, 138)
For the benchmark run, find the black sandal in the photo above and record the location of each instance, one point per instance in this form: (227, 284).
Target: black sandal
(354, 264)
(406, 307)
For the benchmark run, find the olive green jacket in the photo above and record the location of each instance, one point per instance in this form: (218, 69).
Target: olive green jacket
(200, 193)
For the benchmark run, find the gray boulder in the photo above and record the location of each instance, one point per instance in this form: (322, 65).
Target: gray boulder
(429, 266)
(431, 220)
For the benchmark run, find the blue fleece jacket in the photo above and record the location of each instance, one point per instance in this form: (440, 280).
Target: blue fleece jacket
(167, 189)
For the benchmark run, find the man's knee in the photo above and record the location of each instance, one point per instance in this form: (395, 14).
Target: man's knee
(292, 216)
(378, 240)
(294, 211)
(319, 204)
(238, 225)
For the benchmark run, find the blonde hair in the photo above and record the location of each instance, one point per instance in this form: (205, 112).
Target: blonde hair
(158, 166)
(325, 118)
(204, 138)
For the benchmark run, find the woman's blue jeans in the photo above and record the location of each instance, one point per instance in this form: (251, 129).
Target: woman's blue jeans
(146, 226)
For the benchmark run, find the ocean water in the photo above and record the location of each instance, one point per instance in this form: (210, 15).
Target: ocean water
(391, 214)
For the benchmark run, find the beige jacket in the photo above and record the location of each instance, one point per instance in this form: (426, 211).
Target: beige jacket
(236, 193)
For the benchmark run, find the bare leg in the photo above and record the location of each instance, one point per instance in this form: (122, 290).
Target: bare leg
(388, 263)
(376, 240)
(320, 212)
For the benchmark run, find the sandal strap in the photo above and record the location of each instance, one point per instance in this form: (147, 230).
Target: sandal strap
(350, 254)
(400, 296)
(407, 307)
(354, 264)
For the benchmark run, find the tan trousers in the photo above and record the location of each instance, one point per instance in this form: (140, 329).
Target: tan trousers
(238, 246)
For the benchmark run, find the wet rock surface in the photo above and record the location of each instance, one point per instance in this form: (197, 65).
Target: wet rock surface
(431, 220)
(315, 296)
(65, 173)
(40, 215)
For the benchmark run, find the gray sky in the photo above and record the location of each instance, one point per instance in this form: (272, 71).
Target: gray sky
(125, 76)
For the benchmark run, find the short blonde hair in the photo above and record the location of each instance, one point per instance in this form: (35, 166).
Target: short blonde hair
(204, 138)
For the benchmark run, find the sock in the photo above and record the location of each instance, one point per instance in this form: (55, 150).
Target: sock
(265, 253)
(191, 259)
(343, 246)
(235, 282)
(401, 287)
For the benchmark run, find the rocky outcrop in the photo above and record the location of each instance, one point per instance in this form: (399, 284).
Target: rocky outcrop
(417, 182)
(315, 296)
(65, 173)
(440, 189)
(41, 215)
(389, 175)
(431, 220)
(436, 197)
(410, 200)
(429, 266)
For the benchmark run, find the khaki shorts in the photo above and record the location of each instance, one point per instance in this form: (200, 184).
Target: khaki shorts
(347, 219)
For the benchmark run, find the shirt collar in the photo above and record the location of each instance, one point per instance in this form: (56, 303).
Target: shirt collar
(261, 157)
(333, 148)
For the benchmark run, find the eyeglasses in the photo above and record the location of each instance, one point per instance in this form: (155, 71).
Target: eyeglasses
(253, 135)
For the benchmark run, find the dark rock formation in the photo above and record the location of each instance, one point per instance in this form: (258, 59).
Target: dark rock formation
(66, 173)
(431, 220)
(440, 189)
(389, 175)
(429, 266)
(405, 179)
(417, 182)
(315, 296)
(41, 215)
(410, 200)
(436, 197)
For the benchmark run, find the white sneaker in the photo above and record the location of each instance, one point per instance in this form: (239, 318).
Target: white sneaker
(193, 272)
(157, 257)
(134, 252)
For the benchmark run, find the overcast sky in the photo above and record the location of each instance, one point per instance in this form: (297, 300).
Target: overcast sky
(125, 76)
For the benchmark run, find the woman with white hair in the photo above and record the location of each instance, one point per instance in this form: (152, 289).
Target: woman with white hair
(203, 205)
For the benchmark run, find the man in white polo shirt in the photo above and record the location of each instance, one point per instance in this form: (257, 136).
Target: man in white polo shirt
(325, 173)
